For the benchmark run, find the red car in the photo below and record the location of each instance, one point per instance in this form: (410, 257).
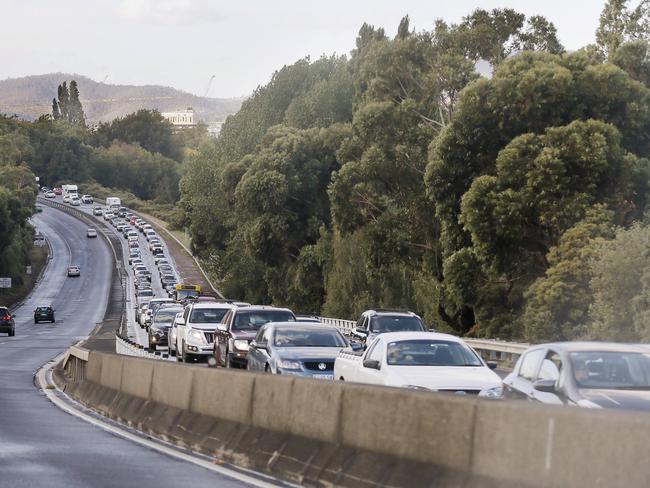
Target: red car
(58, 191)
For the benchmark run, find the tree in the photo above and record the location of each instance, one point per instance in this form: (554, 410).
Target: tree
(145, 127)
(557, 304)
(75, 111)
(64, 101)
(621, 287)
(618, 24)
(56, 113)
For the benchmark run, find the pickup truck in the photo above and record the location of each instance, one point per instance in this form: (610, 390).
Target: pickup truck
(420, 360)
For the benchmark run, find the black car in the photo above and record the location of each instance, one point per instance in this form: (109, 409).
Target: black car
(583, 374)
(7, 323)
(239, 327)
(42, 314)
(160, 324)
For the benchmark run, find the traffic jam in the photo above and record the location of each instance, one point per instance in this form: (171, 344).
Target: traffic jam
(387, 347)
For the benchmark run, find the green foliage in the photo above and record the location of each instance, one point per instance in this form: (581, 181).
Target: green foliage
(149, 176)
(68, 108)
(619, 24)
(145, 127)
(621, 288)
(558, 303)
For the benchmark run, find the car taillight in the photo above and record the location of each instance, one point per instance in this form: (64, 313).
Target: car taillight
(7, 317)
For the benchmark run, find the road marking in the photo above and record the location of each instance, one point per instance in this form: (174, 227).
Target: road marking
(48, 387)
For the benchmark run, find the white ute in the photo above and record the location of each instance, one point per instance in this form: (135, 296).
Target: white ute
(423, 361)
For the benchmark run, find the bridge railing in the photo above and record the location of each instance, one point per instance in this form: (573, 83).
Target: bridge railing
(503, 352)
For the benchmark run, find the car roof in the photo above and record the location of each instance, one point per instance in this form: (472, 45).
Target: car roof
(394, 313)
(200, 305)
(301, 325)
(260, 307)
(418, 335)
(585, 346)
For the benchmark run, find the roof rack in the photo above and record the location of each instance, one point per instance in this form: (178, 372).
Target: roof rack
(391, 310)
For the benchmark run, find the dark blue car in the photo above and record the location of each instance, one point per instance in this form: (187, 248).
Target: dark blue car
(295, 348)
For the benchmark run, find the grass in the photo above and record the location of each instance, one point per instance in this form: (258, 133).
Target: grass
(38, 259)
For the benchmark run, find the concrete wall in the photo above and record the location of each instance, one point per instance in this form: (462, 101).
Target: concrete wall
(337, 434)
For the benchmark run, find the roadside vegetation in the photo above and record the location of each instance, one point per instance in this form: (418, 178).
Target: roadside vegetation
(496, 204)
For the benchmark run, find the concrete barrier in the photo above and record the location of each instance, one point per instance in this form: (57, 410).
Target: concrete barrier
(336, 434)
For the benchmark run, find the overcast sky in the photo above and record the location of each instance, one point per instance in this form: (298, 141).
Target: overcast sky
(182, 43)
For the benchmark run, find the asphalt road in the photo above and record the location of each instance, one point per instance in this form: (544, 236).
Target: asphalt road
(41, 445)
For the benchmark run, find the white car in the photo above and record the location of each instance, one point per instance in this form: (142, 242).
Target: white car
(91, 232)
(66, 198)
(423, 361)
(74, 271)
(50, 194)
(171, 335)
(87, 199)
(195, 330)
(75, 202)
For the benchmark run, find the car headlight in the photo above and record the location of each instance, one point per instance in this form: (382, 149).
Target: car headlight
(495, 392)
(285, 364)
(196, 336)
(240, 344)
(416, 387)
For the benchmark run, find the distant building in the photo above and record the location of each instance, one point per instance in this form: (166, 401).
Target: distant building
(214, 128)
(181, 118)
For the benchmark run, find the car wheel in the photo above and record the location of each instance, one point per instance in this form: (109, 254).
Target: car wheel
(35, 321)
(267, 369)
(12, 333)
(53, 320)
(184, 355)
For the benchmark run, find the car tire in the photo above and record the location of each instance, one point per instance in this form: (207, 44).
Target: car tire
(53, 321)
(12, 333)
(267, 369)
(35, 321)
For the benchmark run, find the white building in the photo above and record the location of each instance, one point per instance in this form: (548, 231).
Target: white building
(180, 119)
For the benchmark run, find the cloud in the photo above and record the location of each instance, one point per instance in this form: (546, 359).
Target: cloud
(169, 11)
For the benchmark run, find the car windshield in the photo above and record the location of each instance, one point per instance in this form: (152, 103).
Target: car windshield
(166, 316)
(207, 315)
(308, 337)
(611, 370)
(427, 352)
(145, 293)
(43, 309)
(395, 323)
(254, 319)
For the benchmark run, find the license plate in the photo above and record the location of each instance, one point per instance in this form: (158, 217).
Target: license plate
(324, 376)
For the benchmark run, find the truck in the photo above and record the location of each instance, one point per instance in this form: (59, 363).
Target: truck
(71, 190)
(113, 202)
(427, 361)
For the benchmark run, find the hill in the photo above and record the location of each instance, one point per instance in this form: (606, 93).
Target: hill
(31, 96)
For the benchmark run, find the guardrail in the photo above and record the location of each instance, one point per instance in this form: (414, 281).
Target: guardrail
(502, 351)
(127, 347)
(75, 362)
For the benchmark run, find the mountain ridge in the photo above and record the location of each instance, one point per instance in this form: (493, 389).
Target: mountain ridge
(28, 97)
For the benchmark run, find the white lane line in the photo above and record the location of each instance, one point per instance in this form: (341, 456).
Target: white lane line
(43, 378)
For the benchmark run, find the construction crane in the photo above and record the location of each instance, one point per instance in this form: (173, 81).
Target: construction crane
(209, 85)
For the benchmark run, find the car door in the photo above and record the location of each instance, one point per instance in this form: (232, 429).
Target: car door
(376, 351)
(520, 384)
(550, 369)
(181, 331)
(221, 340)
(254, 353)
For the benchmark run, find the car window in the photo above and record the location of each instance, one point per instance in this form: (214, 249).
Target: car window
(551, 367)
(186, 314)
(529, 364)
(208, 315)
(376, 351)
(361, 323)
(395, 323)
(254, 319)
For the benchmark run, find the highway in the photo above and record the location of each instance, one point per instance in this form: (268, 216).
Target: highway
(41, 445)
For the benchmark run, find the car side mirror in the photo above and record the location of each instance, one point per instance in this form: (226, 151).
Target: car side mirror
(222, 327)
(356, 346)
(180, 321)
(547, 386)
(492, 364)
(371, 363)
(361, 332)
